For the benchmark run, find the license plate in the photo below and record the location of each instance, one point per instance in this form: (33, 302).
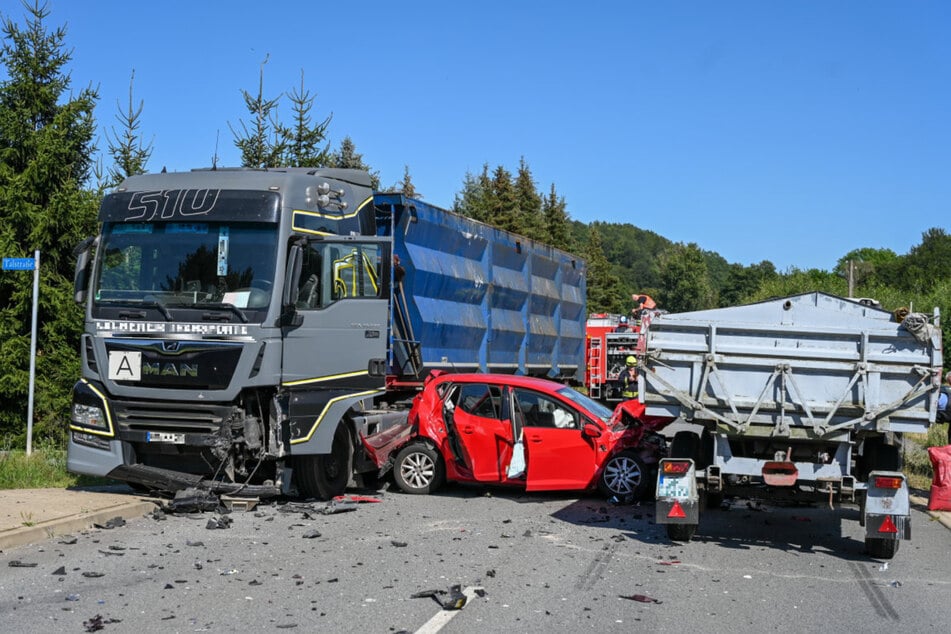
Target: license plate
(668, 487)
(160, 436)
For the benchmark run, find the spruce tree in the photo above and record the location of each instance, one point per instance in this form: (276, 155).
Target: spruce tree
(604, 287)
(302, 141)
(129, 153)
(557, 221)
(531, 221)
(348, 157)
(46, 145)
(262, 144)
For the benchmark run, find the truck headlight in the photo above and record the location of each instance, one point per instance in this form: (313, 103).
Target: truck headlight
(89, 416)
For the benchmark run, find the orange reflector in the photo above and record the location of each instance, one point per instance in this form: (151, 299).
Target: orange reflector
(678, 467)
(885, 482)
(888, 526)
(677, 511)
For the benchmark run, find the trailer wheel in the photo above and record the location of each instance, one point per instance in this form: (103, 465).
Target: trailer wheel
(325, 476)
(418, 469)
(624, 475)
(681, 532)
(881, 548)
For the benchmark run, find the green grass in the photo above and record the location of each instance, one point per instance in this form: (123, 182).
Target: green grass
(44, 468)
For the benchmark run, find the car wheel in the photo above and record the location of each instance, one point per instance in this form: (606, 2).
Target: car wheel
(624, 475)
(325, 476)
(418, 469)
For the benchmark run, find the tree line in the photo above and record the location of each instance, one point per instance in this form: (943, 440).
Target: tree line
(51, 186)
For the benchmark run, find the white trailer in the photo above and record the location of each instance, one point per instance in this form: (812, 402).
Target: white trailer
(802, 398)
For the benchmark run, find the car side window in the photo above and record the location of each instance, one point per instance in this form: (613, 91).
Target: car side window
(480, 399)
(543, 411)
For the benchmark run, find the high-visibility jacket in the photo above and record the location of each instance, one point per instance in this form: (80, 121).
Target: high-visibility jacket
(628, 385)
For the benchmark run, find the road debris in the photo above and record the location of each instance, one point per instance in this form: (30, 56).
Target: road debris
(641, 598)
(311, 534)
(453, 599)
(97, 623)
(16, 563)
(115, 522)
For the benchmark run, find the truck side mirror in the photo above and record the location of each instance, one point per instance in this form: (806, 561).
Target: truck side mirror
(291, 291)
(83, 261)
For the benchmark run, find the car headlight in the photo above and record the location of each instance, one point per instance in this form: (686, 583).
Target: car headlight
(89, 416)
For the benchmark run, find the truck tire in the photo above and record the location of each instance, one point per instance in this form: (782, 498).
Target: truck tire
(418, 469)
(686, 444)
(881, 548)
(325, 476)
(681, 532)
(624, 475)
(888, 458)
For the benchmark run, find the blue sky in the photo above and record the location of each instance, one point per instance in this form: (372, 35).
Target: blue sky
(789, 131)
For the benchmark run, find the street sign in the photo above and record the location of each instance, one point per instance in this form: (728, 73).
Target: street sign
(18, 264)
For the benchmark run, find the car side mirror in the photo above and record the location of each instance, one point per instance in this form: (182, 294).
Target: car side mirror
(590, 430)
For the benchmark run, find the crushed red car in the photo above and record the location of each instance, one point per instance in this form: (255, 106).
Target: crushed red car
(500, 429)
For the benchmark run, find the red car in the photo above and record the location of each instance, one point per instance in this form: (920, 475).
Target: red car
(500, 429)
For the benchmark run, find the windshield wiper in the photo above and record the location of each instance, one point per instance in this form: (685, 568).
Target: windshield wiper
(213, 306)
(136, 303)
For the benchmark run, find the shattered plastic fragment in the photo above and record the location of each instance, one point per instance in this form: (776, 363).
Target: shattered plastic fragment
(311, 534)
(68, 539)
(642, 598)
(16, 563)
(398, 544)
(89, 574)
(60, 571)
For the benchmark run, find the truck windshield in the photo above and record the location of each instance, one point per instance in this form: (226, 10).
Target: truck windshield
(206, 265)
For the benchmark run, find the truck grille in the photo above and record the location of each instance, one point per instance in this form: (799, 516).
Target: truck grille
(171, 417)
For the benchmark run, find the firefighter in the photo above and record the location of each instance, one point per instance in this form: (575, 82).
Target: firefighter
(628, 378)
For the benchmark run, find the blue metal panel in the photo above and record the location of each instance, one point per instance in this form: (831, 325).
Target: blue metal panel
(484, 299)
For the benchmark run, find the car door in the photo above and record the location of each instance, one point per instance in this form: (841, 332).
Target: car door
(485, 438)
(558, 457)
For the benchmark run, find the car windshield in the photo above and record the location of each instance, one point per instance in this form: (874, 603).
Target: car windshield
(593, 406)
(181, 265)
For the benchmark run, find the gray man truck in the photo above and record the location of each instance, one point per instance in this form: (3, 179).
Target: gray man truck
(803, 398)
(248, 328)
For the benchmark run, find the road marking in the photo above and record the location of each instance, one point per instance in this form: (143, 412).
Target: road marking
(441, 618)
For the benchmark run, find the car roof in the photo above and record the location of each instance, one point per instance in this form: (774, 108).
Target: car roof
(515, 380)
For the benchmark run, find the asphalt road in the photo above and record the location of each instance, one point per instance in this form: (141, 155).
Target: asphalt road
(530, 563)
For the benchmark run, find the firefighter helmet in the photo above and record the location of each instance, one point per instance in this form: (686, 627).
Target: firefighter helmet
(631, 360)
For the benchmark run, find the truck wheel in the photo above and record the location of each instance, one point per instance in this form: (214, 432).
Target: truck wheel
(418, 469)
(686, 444)
(887, 458)
(325, 476)
(624, 475)
(881, 548)
(681, 532)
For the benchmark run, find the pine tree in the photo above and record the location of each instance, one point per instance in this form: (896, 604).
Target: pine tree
(46, 145)
(503, 210)
(406, 186)
(557, 221)
(348, 157)
(262, 144)
(472, 200)
(302, 141)
(604, 287)
(529, 204)
(129, 153)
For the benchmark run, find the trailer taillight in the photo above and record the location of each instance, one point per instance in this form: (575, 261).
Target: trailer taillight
(676, 467)
(888, 482)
